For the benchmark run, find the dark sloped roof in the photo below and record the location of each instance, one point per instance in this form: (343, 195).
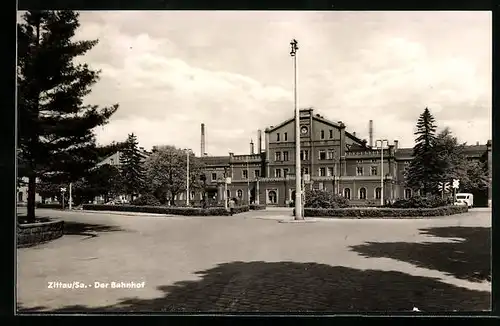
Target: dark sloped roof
(215, 160)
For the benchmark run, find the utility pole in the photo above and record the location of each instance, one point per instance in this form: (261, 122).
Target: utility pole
(248, 183)
(298, 176)
(187, 177)
(382, 141)
(70, 196)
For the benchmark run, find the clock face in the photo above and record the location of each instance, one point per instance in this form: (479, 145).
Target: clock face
(303, 130)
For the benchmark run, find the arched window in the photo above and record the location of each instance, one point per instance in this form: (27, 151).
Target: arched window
(239, 193)
(192, 195)
(378, 193)
(347, 193)
(272, 197)
(407, 193)
(362, 193)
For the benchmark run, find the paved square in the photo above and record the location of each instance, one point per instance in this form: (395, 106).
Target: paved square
(250, 262)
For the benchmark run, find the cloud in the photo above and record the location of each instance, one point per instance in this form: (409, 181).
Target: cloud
(171, 71)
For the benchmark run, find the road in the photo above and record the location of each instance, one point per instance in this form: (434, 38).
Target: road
(249, 262)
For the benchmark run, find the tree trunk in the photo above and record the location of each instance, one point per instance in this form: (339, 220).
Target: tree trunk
(31, 198)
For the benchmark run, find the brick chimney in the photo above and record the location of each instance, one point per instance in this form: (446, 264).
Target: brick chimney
(396, 142)
(251, 147)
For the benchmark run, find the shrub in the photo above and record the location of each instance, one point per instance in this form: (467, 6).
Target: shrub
(187, 211)
(256, 207)
(421, 202)
(324, 199)
(384, 212)
(52, 205)
(146, 200)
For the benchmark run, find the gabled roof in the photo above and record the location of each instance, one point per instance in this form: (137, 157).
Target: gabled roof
(315, 117)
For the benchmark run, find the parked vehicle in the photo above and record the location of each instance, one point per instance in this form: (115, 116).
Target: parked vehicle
(465, 198)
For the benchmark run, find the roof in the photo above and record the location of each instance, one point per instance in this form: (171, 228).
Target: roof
(215, 160)
(316, 117)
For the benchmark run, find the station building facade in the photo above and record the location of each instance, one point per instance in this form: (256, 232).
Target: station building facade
(335, 160)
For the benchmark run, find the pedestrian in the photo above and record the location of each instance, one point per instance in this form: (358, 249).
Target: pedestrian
(231, 206)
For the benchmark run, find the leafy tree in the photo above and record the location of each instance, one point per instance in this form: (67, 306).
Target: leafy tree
(476, 177)
(450, 156)
(132, 171)
(166, 172)
(104, 181)
(55, 128)
(423, 171)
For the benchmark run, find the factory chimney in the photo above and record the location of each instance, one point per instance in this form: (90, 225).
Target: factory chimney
(370, 131)
(202, 150)
(259, 141)
(251, 147)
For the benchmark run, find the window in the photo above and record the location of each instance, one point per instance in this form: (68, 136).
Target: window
(192, 195)
(256, 173)
(285, 173)
(112, 161)
(322, 172)
(374, 161)
(277, 137)
(322, 134)
(214, 176)
(378, 193)
(331, 154)
(304, 155)
(228, 193)
(239, 193)
(362, 193)
(321, 186)
(285, 156)
(359, 161)
(272, 197)
(277, 173)
(305, 171)
(330, 171)
(347, 193)
(322, 155)
(245, 174)
(277, 156)
(286, 136)
(359, 170)
(407, 193)
(373, 170)
(331, 133)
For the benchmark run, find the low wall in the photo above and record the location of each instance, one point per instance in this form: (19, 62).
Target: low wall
(32, 234)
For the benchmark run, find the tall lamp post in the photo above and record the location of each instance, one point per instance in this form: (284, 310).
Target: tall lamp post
(381, 142)
(298, 181)
(188, 151)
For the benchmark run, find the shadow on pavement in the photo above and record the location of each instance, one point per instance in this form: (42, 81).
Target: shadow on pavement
(300, 287)
(468, 259)
(86, 229)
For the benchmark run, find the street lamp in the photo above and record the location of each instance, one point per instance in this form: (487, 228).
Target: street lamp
(298, 183)
(381, 141)
(248, 183)
(188, 152)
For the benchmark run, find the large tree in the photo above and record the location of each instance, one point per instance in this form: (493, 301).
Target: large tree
(131, 166)
(104, 180)
(55, 128)
(451, 162)
(423, 170)
(166, 172)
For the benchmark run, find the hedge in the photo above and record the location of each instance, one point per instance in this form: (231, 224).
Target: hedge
(383, 212)
(186, 211)
(53, 205)
(256, 207)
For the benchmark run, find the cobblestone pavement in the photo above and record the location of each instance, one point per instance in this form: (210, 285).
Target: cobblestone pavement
(244, 263)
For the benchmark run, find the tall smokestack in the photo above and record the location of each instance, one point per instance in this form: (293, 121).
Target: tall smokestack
(251, 147)
(259, 141)
(202, 153)
(370, 131)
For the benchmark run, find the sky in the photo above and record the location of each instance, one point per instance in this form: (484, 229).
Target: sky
(170, 71)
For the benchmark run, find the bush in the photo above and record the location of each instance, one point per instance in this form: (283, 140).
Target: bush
(421, 202)
(384, 212)
(146, 200)
(324, 199)
(256, 207)
(187, 211)
(53, 205)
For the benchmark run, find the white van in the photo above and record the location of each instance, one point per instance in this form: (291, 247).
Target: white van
(465, 198)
